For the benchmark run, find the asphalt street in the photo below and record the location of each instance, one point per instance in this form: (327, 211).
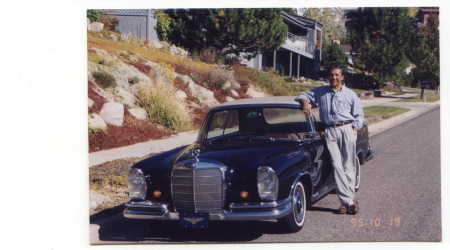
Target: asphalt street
(400, 200)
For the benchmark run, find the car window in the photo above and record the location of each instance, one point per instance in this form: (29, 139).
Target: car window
(222, 123)
(288, 118)
(283, 115)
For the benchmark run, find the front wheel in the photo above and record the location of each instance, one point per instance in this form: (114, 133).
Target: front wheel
(293, 222)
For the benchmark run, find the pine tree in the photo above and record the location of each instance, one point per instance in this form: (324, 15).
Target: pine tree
(425, 51)
(380, 40)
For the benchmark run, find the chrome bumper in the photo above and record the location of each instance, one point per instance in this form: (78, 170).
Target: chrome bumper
(238, 211)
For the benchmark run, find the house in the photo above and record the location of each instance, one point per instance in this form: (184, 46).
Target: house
(300, 54)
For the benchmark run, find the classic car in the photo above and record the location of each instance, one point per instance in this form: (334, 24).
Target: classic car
(254, 159)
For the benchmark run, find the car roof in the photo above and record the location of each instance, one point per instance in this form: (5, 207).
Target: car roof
(287, 101)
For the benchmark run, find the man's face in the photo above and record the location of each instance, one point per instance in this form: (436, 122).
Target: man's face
(336, 78)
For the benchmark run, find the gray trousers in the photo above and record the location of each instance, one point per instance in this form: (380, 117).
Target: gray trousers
(341, 142)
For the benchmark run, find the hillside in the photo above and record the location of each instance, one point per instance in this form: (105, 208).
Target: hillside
(139, 90)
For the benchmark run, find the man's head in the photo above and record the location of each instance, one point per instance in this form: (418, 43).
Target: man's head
(336, 77)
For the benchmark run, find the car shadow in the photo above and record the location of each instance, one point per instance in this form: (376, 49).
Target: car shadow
(120, 229)
(323, 209)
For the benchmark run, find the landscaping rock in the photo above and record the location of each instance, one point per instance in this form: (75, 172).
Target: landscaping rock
(157, 44)
(229, 99)
(180, 95)
(138, 113)
(252, 92)
(226, 85)
(96, 199)
(96, 27)
(234, 93)
(235, 85)
(112, 113)
(95, 122)
(124, 97)
(90, 103)
(205, 96)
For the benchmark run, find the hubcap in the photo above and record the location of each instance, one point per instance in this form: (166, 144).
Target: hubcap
(299, 205)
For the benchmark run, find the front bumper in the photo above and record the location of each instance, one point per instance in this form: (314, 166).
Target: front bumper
(237, 211)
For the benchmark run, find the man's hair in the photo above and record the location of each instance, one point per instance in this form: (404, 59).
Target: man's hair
(335, 66)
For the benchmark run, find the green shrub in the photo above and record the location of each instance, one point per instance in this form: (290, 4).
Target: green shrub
(162, 107)
(104, 79)
(94, 15)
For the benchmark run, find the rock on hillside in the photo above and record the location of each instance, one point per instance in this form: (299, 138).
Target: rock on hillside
(116, 78)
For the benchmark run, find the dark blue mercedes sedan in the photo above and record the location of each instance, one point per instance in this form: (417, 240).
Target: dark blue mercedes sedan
(254, 159)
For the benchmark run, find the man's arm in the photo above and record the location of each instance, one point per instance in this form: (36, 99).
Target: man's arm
(357, 113)
(307, 99)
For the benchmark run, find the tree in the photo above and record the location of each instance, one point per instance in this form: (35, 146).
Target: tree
(226, 31)
(425, 51)
(333, 21)
(380, 40)
(334, 55)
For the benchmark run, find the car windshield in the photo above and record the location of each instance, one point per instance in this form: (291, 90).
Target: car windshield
(257, 123)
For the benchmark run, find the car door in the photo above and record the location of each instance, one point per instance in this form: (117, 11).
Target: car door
(321, 171)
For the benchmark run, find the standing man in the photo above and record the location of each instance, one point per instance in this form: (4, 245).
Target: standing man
(341, 112)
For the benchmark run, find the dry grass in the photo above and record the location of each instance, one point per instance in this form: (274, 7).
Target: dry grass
(270, 82)
(152, 54)
(163, 107)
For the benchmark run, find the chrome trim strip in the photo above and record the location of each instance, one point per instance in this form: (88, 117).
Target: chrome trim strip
(269, 210)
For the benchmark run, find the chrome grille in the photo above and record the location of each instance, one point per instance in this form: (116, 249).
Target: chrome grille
(197, 190)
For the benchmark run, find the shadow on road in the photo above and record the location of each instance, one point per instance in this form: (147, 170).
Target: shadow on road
(117, 228)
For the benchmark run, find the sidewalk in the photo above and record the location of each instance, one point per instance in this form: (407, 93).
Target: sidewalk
(184, 138)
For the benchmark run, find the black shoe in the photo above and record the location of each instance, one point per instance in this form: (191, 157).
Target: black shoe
(353, 209)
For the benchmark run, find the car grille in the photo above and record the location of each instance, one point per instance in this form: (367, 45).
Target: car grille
(197, 190)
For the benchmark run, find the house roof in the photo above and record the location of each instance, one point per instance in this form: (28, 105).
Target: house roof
(302, 21)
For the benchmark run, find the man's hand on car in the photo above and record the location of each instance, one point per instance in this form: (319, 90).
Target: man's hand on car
(306, 107)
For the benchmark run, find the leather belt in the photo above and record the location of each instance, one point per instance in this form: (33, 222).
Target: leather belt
(339, 124)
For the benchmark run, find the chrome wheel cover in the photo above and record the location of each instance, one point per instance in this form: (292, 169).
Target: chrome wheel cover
(358, 174)
(299, 204)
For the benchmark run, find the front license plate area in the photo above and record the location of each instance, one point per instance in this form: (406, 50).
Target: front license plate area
(194, 220)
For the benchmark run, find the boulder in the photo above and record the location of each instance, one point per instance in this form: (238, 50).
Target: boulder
(229, 99)
(96, 27)
(157, 44)
(90, 103)
(235, 85)
(95, 122)
(254, 93)
(180, 95)
(113, 113)
(138, 113)
(234, 93)
(96, 199)
(124, 97)
(226, 85)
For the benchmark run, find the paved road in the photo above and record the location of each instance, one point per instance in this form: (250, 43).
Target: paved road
(400, 200)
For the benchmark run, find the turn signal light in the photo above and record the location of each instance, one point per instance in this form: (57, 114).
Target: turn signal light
(244, 194)
(157, 193)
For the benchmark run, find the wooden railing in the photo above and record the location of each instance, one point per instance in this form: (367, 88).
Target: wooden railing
(299, 44)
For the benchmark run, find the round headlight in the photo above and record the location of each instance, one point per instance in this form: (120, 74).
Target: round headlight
(267, 183)
(137, 187)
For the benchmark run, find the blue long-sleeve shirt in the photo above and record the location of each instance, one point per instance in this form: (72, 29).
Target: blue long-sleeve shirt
(335, 107)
